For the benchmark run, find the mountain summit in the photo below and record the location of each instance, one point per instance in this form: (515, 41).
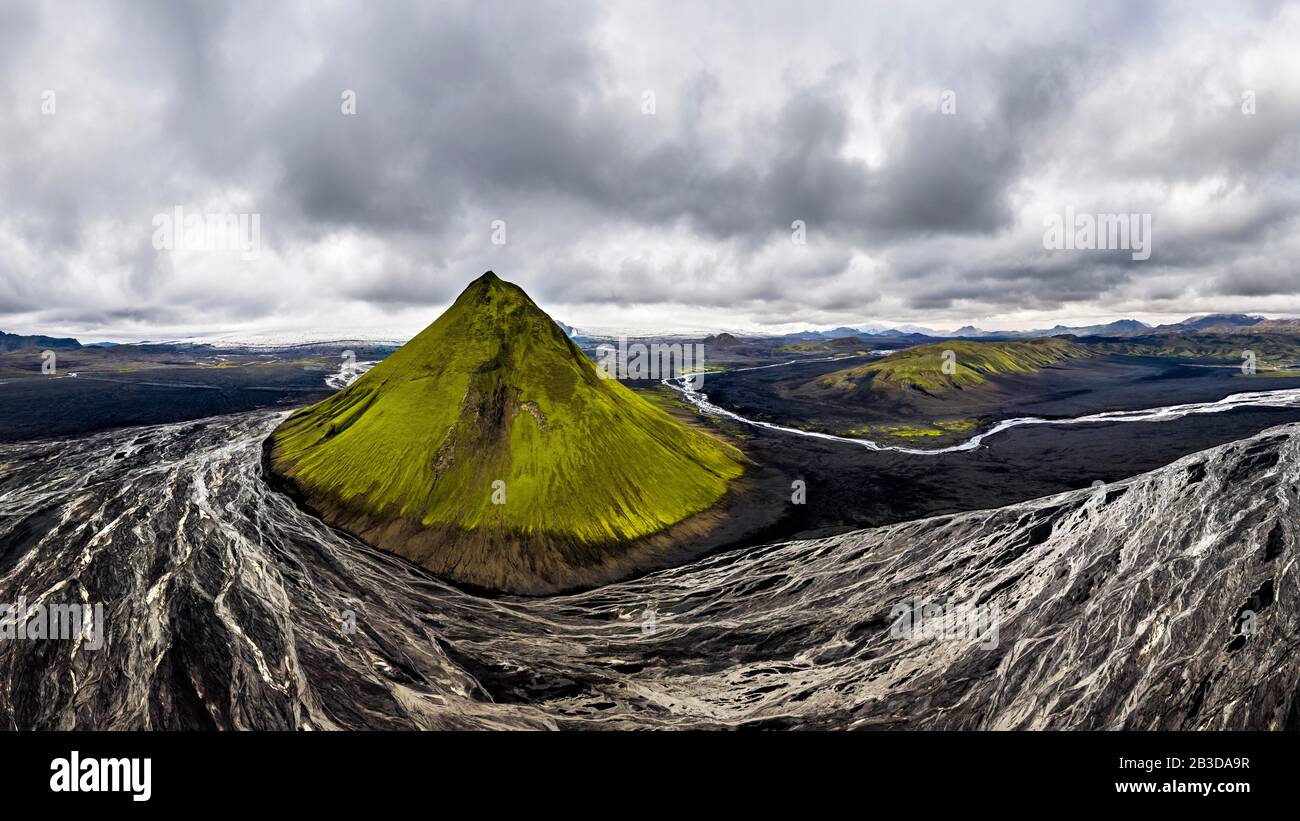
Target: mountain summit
(491, 451)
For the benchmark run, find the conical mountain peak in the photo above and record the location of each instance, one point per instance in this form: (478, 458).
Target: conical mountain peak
(489, 450)
(492, 319)
(491, 282)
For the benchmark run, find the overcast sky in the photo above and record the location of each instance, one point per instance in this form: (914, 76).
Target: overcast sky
(922, 145)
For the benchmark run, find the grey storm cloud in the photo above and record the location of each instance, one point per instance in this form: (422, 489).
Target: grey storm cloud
(533, 114)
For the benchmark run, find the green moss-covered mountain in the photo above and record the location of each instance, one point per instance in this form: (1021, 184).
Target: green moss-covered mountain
(1269, 344)
(973, 364)
(491, 451)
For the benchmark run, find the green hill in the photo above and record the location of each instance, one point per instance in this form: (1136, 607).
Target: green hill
(411, 456)
(1269, 346)
(839, 344)
(974, 363)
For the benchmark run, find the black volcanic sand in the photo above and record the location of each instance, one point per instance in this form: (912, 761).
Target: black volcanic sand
(49, 407)
(850, 487)
(1073, 388)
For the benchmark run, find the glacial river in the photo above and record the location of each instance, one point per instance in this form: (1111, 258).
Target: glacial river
(226, 606)
(689, 387)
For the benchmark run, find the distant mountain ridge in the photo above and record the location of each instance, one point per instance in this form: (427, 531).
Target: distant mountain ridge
(1214, 323)
(18, 342)
(1117, 328)
(1201, 323)
(844, 331)
(1217, 323)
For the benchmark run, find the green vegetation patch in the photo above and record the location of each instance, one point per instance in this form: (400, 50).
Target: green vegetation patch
(1278, 373)
(968, 364)
(493, 391)
(936, 429)
(843, 344)
(1279, 348)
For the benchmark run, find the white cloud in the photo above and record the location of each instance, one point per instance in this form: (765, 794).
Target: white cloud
(765, 113)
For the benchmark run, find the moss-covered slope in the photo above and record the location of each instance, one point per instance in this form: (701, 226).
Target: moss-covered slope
(490, 450)
(973, 364)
